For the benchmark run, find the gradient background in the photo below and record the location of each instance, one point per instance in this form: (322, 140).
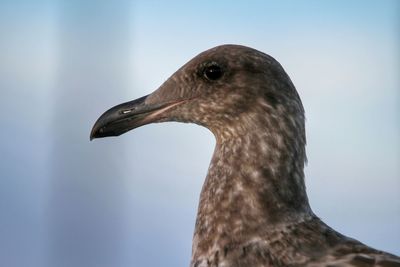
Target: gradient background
(132, 200)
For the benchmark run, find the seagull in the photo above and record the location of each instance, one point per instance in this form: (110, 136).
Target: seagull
(253, 210)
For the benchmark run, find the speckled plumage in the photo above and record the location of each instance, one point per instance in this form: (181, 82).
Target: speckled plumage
(253, 208)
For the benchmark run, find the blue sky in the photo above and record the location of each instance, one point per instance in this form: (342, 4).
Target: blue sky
(66, 201)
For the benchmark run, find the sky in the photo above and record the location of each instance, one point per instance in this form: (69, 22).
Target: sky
(132, 200)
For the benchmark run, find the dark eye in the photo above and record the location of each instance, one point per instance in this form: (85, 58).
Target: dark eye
(213, 72)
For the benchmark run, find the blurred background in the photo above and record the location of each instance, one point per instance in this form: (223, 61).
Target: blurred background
(132, 200)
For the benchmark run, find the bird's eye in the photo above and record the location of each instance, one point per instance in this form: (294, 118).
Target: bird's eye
(213, 72)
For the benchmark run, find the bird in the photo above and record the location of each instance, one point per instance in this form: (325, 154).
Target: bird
(253, 209)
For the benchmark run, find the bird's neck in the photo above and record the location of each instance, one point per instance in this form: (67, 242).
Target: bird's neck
(255, 183)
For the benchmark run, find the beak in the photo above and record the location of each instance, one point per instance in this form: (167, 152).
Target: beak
(130, 115)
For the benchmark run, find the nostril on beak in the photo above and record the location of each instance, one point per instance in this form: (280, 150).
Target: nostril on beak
(126, 111)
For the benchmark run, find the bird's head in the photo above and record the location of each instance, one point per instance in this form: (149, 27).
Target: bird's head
(226, 87)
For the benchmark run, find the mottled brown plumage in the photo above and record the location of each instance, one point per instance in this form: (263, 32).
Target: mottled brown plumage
(253, 207)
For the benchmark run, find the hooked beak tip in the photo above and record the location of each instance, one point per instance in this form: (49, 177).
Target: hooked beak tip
(93, 133)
